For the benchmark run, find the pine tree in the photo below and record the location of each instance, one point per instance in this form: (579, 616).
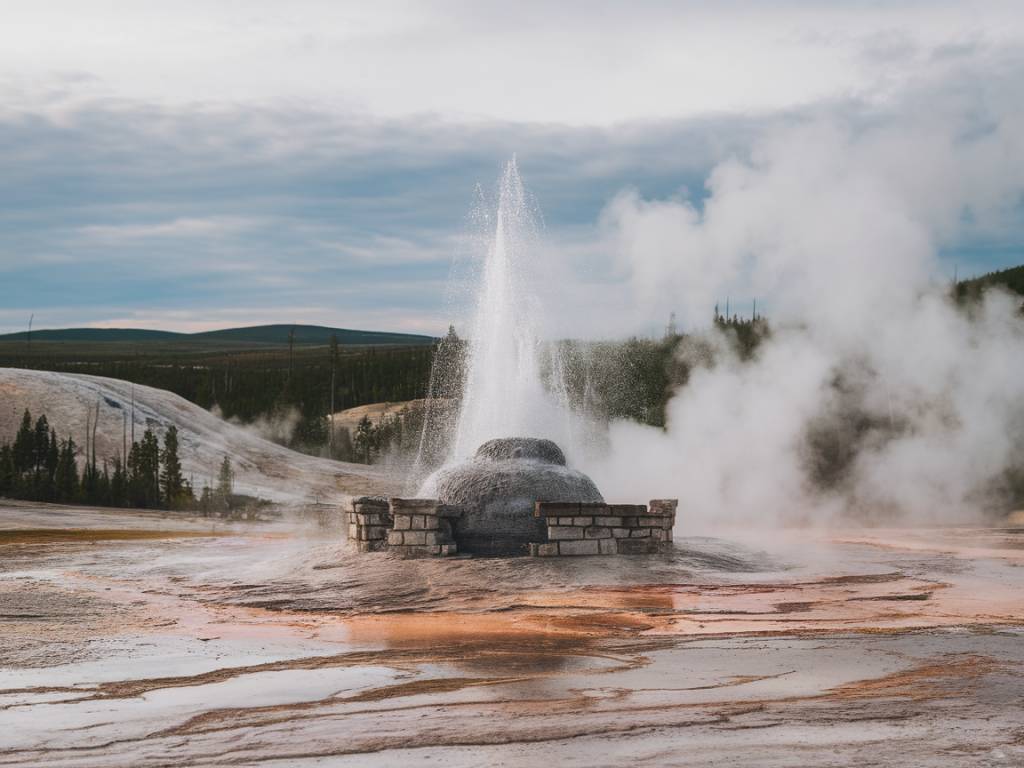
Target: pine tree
(171, 481)
(225, 484)
(7, 474)
(24, 445)
(66, 476)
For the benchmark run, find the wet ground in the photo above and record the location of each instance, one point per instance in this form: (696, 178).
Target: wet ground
(144, 640)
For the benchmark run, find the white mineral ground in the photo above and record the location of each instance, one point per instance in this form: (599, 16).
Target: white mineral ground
(262, 468)
(135, 639)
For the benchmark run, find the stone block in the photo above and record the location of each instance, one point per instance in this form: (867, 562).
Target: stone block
(627, 510)
(403, 522)
(593, 508)
(414, 506)
(620, 533)
(396, 538)
(562, 532)
(447, 550)
(369, 503)
(611, 522)
(583, 521)
(597, 532)
(664, 506)
(417, 522)
(630, 522)
(587, 547)
(608, 546)
(555, 508)
(371, 518)
(415, 537)
(431, 537)
(640, 533)
(353, 531)
(646, 546)
(548, 549)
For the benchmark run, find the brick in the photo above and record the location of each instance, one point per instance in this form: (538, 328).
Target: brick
(369, 504)
(664, 506)
(630, 522)
(597, 532)
(560, 532)
(414, 506)
(447, 550)
(640, 533)
(431, 537)
(583, 521)
(416, 522)
(620, 533)
(402, 522)
(637, 546)
(627, 510)
(555, 508)
(548, 549)
(611, 522)
(353, 531)
(651, 522)
(561, 520)
(608, 547)
(415, 537)
(588, 547)
(395, 538)
(371, 518)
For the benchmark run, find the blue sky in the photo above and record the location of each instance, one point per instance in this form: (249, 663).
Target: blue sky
(187, 167)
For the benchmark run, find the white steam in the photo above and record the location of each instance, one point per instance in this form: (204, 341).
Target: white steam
(836, 226)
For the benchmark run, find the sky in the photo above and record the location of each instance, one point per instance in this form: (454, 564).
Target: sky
(197, 165)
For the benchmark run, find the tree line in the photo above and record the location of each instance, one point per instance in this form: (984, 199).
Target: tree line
(249, 384)
(38, 466)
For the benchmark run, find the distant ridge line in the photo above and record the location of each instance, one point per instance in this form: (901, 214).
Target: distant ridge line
(256, 334)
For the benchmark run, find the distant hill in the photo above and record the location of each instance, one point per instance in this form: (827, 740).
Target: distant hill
(309, 334)
(94, 334)
(275, 335)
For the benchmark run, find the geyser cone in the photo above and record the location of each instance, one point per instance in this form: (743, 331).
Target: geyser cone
(498, 488)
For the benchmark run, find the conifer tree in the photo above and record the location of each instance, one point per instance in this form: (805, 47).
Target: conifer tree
(171, 481)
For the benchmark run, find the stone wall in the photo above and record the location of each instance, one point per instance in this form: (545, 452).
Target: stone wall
(425, 527)
(605, 529)
(422, 528)
(369, 523)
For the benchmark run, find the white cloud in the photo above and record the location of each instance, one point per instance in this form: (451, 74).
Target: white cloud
(575, 62)
(204, 227)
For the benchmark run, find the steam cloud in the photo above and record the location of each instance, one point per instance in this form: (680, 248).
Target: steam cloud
(836, 224)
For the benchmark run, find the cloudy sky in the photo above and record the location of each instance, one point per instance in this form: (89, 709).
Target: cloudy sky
(193, 165)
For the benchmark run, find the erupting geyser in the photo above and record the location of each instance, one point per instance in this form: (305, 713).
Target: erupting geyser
(497, 494)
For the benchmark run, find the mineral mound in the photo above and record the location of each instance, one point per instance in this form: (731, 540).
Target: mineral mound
(498, 488)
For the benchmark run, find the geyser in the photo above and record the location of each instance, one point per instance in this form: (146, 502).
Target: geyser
(499, 494)
(499, 487)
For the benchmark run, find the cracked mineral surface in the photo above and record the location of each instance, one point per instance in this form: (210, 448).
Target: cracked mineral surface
(132, 639)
